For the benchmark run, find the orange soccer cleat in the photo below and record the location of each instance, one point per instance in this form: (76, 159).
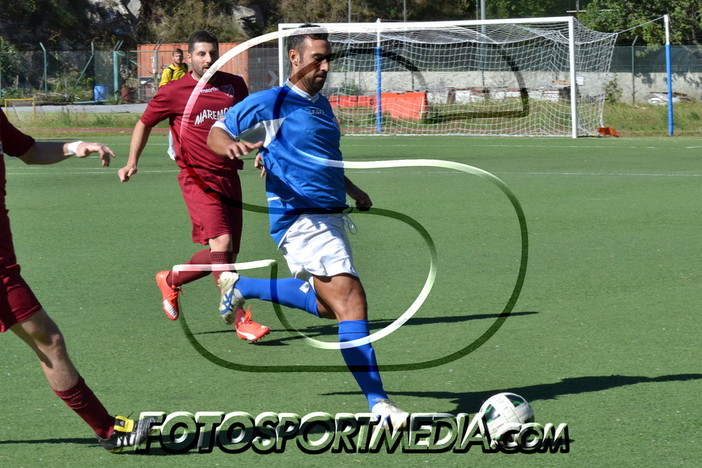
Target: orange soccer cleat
(246, 328)
(170, 295)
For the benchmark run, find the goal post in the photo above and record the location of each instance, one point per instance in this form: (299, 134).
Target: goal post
(23, 102)
(20, 102)
(525, 77)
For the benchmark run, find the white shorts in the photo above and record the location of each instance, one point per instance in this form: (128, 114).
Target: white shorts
(318, 245)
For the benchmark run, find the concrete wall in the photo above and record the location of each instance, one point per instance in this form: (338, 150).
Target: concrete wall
(636, 88)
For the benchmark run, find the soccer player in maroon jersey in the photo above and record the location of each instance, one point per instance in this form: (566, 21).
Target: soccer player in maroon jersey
(210, 184)
(21, 312)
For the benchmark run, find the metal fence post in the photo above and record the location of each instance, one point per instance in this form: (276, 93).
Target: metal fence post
(46, 83)
(633, 71)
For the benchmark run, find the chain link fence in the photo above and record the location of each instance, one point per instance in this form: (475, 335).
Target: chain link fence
(132, 76)
(85, 76)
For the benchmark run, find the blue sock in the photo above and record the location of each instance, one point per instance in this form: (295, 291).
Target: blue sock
(290, 292)
(361, 360)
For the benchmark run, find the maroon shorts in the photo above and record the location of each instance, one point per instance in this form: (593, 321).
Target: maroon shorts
(17, 301)
(209, 214)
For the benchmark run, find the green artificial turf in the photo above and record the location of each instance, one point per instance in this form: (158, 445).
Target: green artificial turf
(604, 336)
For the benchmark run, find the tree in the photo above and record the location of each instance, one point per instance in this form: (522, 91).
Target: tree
(175, 20)
(426, 10)
(529, 9)
(621, 15)
(317, 11)
(10, 63)
(336, 11)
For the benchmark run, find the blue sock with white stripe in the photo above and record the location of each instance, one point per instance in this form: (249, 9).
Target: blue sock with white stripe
(290, 292)
(361, 360)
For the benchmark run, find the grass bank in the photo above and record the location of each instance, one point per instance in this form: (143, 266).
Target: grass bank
(647, 120)
(627, 119)
(50, 124)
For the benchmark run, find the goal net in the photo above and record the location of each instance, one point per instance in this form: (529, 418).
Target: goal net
(19, 107)
(531, 77)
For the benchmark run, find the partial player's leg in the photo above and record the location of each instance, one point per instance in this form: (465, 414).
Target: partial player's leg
(209, 224)
(221, 252)
(289, 292)
(340, 297)
(42, 334)
(217, 222)
(344, 295)
(170, 282)
(305, 240)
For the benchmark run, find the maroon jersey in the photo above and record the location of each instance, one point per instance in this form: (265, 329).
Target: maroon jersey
(14, 143)
(214, 100)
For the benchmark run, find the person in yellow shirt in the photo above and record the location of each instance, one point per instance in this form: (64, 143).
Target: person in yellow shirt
(176, 70)
(172, 72)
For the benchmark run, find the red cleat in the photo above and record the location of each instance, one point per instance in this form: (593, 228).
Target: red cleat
(170, 295)
(246, 328)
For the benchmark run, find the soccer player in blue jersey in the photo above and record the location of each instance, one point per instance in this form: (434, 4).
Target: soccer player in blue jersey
(298, 136)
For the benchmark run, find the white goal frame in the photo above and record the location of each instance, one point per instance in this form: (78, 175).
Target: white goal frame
(379, 27)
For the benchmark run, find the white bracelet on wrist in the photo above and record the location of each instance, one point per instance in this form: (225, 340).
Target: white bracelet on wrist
(72, 148)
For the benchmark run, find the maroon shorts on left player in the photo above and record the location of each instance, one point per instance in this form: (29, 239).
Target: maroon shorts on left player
(17, 301)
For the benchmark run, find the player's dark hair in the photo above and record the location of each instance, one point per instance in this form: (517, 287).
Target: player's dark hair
(201, 36)
(296, 40)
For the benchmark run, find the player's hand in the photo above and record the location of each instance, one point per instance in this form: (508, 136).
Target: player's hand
(239, 149)
(126, 173)
(363, 201)
(258, 164)
(87, 147)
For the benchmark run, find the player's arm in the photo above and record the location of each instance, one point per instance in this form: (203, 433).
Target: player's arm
(165, 77)
(363, 201)
(50, 152)
(140, 135)
(222, 143)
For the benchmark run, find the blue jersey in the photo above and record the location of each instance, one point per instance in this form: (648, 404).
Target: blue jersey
(301, 152)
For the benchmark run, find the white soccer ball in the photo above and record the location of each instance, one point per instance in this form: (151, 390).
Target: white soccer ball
(506, 412)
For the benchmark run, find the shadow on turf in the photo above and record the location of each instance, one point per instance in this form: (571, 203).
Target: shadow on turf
(85, 441)
(329, 329)
(91, 444)
(465, 402)
(471, 402)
